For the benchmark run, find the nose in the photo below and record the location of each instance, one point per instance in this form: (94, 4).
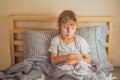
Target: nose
(68, 29)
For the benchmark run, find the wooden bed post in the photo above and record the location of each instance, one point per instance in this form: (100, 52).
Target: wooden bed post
(110, 38)
(11, 33)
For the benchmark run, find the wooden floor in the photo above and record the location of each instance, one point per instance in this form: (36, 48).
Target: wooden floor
(116, 72)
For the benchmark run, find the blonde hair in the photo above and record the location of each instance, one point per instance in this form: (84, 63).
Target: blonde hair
(67, 16)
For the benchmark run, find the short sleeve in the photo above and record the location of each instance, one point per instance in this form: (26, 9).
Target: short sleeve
(54, 45)
(84, 47)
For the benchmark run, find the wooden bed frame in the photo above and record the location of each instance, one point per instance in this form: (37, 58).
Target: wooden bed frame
(16, 42)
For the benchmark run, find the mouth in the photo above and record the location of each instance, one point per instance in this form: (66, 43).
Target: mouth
(67, 34)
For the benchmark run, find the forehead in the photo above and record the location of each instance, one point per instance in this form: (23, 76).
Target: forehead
(69, 24)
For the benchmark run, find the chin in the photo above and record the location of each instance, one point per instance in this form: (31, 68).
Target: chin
(69, 36)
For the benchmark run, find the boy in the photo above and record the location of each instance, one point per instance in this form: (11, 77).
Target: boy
(67, 50)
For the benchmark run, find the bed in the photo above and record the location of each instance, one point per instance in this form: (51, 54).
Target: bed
(30, 24)
(15, 31)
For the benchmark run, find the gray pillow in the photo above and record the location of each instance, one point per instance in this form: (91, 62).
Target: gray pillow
(96, 38)
(38, 42)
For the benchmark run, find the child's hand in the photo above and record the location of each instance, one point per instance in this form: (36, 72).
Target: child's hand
(75, 56)
(71, 62)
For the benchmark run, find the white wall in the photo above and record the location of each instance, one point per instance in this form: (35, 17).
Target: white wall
(54, 7)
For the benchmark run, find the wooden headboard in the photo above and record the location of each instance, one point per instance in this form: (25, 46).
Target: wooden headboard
(16, 27)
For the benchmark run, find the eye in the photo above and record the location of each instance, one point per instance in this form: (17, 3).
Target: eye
(73, 28)
(65, 27)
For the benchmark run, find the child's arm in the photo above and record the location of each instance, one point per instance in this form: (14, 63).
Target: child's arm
(55, 59)
(70, 59)
(72, 62)
(75, 61)
(75, 56)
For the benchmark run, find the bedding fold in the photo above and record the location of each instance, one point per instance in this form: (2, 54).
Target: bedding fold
(37, 67)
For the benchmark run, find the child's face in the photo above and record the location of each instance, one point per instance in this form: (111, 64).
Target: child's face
(67, 30)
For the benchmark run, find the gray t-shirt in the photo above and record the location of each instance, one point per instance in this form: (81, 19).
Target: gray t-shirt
(79, 45)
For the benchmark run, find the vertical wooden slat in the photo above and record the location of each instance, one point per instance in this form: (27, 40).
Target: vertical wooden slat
(11, 32)
(110, 38)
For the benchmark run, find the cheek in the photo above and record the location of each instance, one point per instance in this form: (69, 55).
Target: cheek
(73, 31)
(63, 31)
